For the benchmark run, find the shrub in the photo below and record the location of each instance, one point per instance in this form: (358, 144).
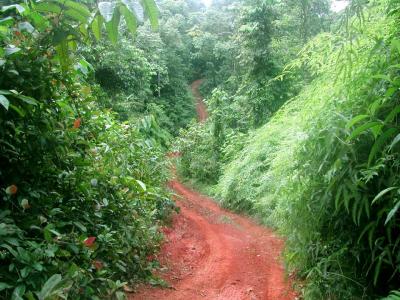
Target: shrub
(81, 194)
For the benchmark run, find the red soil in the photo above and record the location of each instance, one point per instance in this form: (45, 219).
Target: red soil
(211, 253)
(200, 106)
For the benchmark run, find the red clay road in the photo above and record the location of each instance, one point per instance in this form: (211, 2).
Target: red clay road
(200, 106)
(211, 253)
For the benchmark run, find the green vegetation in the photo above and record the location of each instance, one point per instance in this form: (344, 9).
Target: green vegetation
(308, 143)
(303, 133)
(82, 194)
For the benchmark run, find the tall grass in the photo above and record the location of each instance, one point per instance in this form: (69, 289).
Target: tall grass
(325, 169)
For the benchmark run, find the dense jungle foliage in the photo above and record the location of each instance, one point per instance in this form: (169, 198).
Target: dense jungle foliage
(303, 134)
(90, 95)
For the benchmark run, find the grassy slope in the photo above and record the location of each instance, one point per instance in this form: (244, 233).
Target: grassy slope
(287, 163)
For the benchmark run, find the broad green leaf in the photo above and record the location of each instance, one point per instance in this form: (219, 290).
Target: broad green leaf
(3, 32)
(4, 286)
(10, 249)
(26, 26)
(130, 19)
(382, 193)
(383, 77)
(18, 110)
(80, 226)
(142, 185)
(59, 36)
(396, 44)
(376, 131)
(151, 9)
(97, 25)
(62, 53)
(359, 130)
(75, 15)
(18, 293)
(78, 7)
(395, 141)
(107, 10)
(49, 287)
(7, 21)
(28, 100)
(30, 296)
(19, 8)
(392, 212)
(392, 114)
(47, 7)
(355, 120)
(47, 233)
(11, 50)
(39, 22)
(120, 295)
(374, 107)
(4, 102)
(112, 27)
(380, 143)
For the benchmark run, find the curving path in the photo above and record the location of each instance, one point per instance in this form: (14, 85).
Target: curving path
(211, 253)
(200, 106)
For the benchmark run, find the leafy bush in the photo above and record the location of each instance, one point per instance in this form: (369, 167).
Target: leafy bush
(198, 160)
(82, 194)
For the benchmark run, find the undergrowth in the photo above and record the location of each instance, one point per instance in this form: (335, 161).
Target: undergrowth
(324, 170)
(81, 193)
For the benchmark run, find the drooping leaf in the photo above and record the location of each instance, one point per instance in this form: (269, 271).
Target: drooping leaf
(142, 185)
(49, 287)
(130, 19)
(396, 44)
(62, 53)
(7, 21)
(151, 9)
(112, 27)
(75, 15)
(107, 10)
(355, 120)
(39, 22)
(27, 99)
(18, 293)
(26, 26)
(10, 50)
(395, 141)
(392, 114)
(392, 212)
(19, 8)
(76, 6)
(377, 269)
(18, 110)
(361, 129)
(47, 7)
(382, 193)
(136, 8)
(4, 102)
(4, 286)
(96, 26)
(379, 144)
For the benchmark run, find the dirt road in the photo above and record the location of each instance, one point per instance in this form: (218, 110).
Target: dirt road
(210, 253)
(200, 106)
